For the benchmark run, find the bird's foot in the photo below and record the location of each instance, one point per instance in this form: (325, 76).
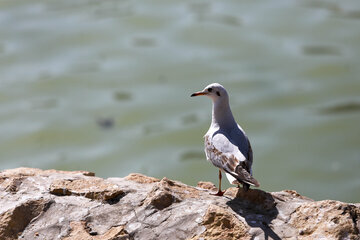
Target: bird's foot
(219, 193)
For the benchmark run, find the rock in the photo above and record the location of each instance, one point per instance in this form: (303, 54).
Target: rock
(50, 204)
(12, 184)
(93, 188)
(166, 192)
(15, 220)
(139, 178)
(319, 218)
(21, 172)
(207, 185)
(257, 198)
(222, 224)
(79, 231)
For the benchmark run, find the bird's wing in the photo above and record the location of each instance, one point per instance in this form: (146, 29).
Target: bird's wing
(224, 153)
(239, 138)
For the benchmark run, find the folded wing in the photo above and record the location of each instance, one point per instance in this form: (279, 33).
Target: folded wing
(225, 154)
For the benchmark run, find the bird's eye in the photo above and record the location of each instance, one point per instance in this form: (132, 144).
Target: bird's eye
(210, 89)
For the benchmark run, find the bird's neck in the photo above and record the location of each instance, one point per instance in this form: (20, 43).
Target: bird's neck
(221, 115)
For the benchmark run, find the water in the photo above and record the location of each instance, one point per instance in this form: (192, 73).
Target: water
(104, 86)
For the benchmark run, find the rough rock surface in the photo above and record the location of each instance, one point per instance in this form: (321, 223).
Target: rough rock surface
(50, 204)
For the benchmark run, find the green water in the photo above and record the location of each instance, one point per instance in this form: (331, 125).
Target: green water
(104, 86)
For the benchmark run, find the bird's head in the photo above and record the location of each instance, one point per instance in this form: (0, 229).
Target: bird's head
(215, 91)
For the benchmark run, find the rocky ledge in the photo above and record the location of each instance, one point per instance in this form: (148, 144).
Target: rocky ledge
(50, 204)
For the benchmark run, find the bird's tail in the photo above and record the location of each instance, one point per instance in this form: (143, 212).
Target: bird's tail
(245, 177)
(252, 181)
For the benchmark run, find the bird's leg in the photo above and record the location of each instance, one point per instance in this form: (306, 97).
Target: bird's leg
(219, 193)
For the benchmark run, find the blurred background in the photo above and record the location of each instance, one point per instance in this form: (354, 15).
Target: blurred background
(105, 86)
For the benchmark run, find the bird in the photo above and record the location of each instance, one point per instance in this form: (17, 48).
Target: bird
(227, 146)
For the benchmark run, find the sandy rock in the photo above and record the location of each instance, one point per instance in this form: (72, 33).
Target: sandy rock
(79, 231)
(318, 219)
(50, 204)
(15, 220)
(93, 188)
(167, 192)
(12, 184)
(208, 186)
(221, 223)
(139, 178)
(24, 172)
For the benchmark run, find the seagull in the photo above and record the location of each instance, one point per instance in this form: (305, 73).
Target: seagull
(226, 144)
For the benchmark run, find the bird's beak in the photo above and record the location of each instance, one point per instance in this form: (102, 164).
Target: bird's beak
(198, 94)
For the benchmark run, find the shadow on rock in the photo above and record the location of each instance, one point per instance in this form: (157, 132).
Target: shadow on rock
(257, 207)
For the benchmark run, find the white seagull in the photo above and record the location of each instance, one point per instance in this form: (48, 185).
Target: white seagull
(226, 144)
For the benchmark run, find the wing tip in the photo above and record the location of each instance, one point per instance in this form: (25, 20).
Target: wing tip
(243, 177)
(253, 182)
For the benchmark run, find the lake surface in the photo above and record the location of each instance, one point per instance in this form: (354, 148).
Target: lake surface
(105, 86)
